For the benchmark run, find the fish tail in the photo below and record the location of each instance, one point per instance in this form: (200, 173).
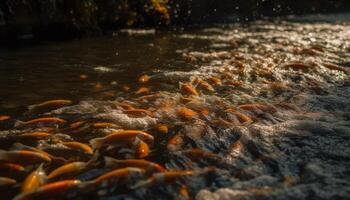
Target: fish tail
(142, 183)
(32, 107)
(22, 196)
(93, 159)
(109, 161)
(96, 143)
(87, 186)
(19, 123)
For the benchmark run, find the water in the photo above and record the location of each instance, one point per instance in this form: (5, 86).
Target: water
(52, 70)
(254, 111)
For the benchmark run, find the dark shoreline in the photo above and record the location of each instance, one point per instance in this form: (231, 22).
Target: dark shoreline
(30, 21)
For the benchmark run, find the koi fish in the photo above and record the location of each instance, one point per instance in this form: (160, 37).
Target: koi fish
(5, 181)
(79, 146)
(188, 89)
(142, 90)
(164, 177)
(138, 163)
(142, 148)
(126, 105)
(138, 112)
(144, 78)
(34, 180)
(203, 84)
(55, 189)
(20, 146)
(118, 174)
(41, 120)
(9, 168)
(34, 135)
(120, 136)
(52, 104)
(4, 117)
(69, 168)
(186, 113)
(162, 128)
(215, 81)
(83, 76)
(175, 143)
(24, 156)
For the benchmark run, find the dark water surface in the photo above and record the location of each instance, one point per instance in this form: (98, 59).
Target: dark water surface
(51, 70)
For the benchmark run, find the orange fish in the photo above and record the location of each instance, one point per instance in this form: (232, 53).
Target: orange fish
(183, 192)
(144, 78)
(9, 168)
(125, 105)
(186, 100)
(237, 146)
(79, 146)
(4, 181)
(175, 142)
(121, 136)
(142, 90)
(203, 84)
(68, 169)
(138, 112)
(24, 156)
(76, 124)
(186, 113)
(199, 153)
(234, 83)
(164, 177)
(50, 190)
(118, 173)
(83, 76)
(4, 117)
(98, 86)
(34, 135)
(20, 146)
(142, 149)
(34, 180)
(42, 120)
(188, 89)
(299, 66)
(109, 94)
(105, 125)
(149, 97)
(243, 118)
(138, 163)
(51, 104)
(125, 88)
(162, 128)
(215, 81)
(336, 67)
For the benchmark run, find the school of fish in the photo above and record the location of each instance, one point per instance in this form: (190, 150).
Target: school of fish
(152, 143)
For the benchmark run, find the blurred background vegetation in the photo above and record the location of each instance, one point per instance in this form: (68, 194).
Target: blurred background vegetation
(59, 19)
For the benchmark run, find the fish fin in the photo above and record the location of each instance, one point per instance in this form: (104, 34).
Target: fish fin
(32, 107)
(96, 143)
(22, 196)
(94, 158)
(142, 183)
(19, 123)
(18, 146)
(87, 186)
(109, 161)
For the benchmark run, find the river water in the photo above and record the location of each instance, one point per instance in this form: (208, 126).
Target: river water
(254, 111)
